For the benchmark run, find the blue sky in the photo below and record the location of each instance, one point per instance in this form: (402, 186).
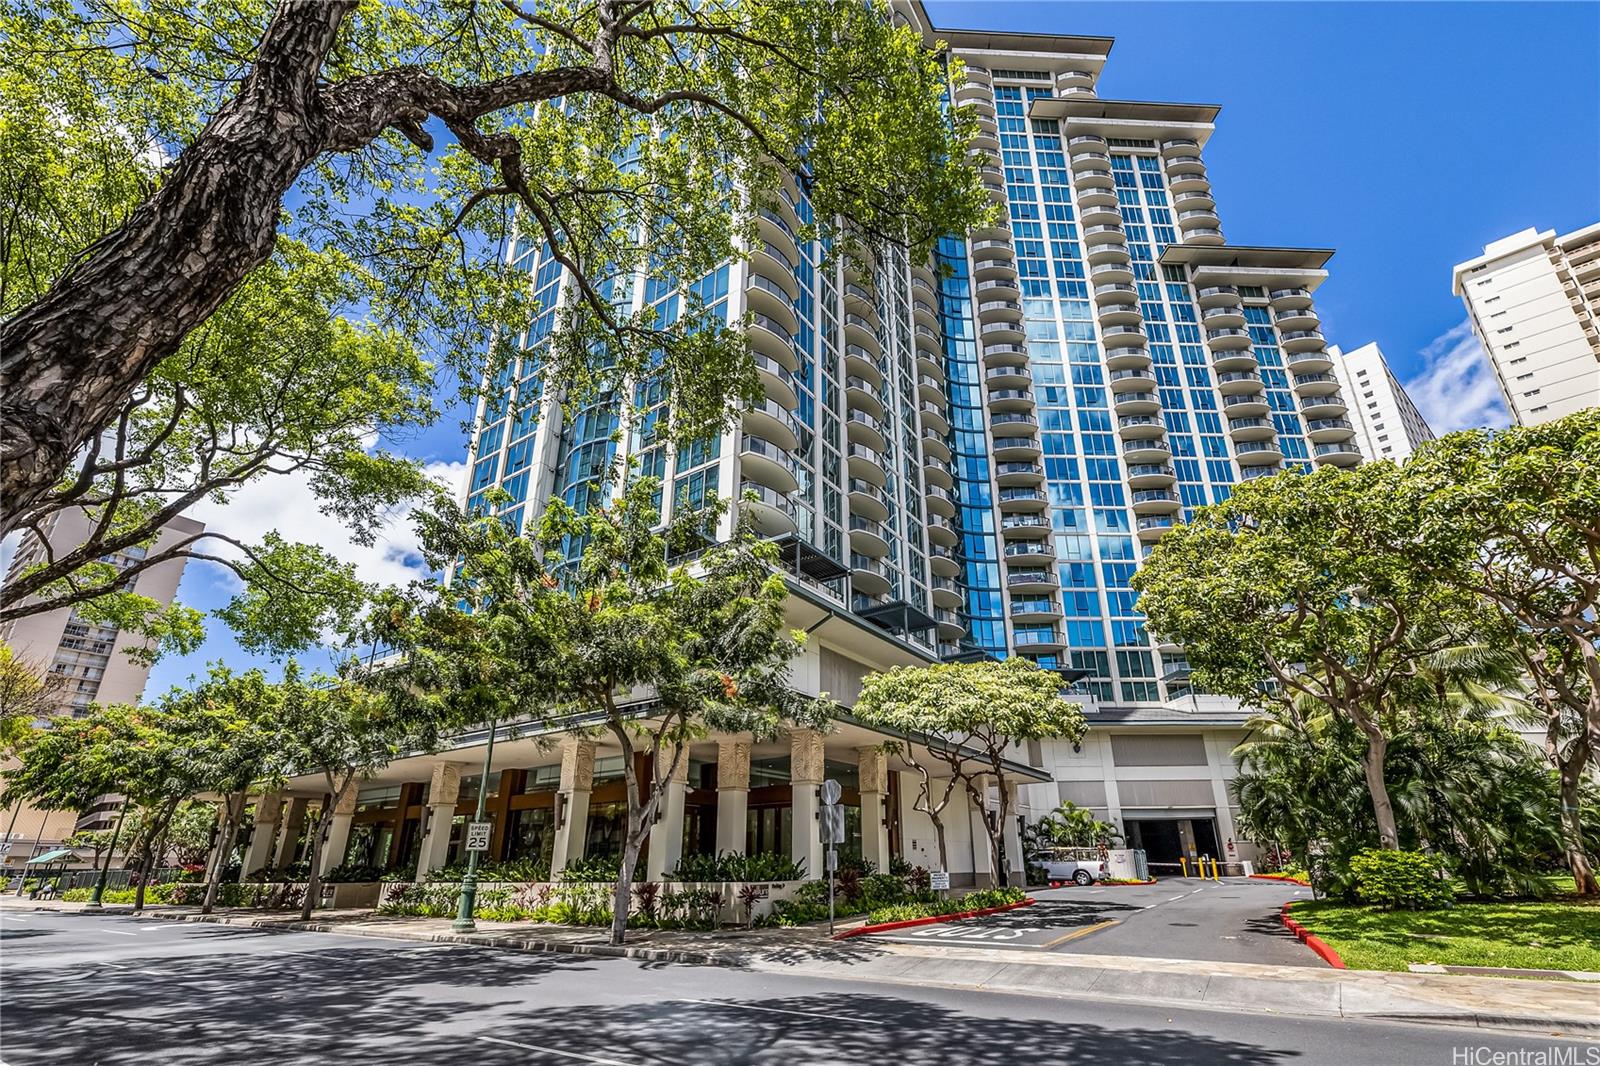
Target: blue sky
(1405, 136)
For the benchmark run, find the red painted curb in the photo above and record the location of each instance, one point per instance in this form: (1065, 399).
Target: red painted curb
(885, 927)
(1311, 940)
(1281, 877)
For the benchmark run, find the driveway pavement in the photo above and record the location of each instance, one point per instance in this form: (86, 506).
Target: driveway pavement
(1235, 920)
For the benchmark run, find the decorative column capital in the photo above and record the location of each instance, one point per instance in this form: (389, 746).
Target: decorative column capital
(445, 785)
(733, 764)
(872, 768)
(347, 805)
(267, 806)
(664, 763)
(577, 764)
(806, 757)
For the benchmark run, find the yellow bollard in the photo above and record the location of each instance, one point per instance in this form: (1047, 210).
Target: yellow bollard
(1183, 863)
(1215, 876)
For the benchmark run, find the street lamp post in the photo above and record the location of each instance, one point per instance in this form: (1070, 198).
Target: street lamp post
(469, 880)
(105, 869)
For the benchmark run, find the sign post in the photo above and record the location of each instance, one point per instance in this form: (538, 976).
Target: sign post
(478, 831)
(832, 829)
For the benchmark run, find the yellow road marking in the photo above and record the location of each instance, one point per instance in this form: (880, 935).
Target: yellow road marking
(1085, 931)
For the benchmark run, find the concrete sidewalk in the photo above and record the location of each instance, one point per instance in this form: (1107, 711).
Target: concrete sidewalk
(1551, 1007)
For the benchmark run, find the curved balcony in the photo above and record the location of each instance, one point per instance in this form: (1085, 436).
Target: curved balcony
(1100, 215)
(869, 576)
(1155, 501)
(1250, 473)
(862, 302)
(934, 418)
(1005, 353)
(1152, 450)
(1302, 340)
(1331, 405)
(1185, 163)
(948, 624)
(997, 288)
(1323, 430)
(1086, 142)
(928, 364)
(1127, 359)
(863, 363)
(994, 268)
(766, 296)
(1123, 336)
(1111, 272)
(1023, 498)
(1204, 236)
(1237, 381)
(1337, 453)
(1116, 292)
(942, 530)
(1028, 552)
(767, 463)
(868, 537)
(1195, 201)
(993, 247)
(931, 389)
(776, 381)
(934, 445)
(1150, 475)
(1031, 579)
(938, 472)
(774, 261)
(1093, 194)
(996, 309)
(974, 91)
(985, 139)
(1005, 332)
(1024, 526)
(1096, 178)
(927, 340)
(1040, 643)
(1198, 218)
(1112, 234)
(1315, 361)
(1107, 253)
(1091, 160)
(1227, 337)
(1013, 423)
(1217, 295)
(775, 230)
(943, 561)
(1223, 316)
(1315, 384)
(947, 592)
(940, 500)
(1131, 426)
(867, 499)
(924, 273)
(1008, 376)
(1185, 146)
(859, 331)
(923, 312)
(1010, 399)
(1019, 472)
(1246, 405)
(1136, 403)
(1292, 297)
(1035, 608)
(996, 191)
(1009, 449)
(1118, 315)
(863, 428)
(865, 463)
(861, 393)
(772, 421)
(1151, 528)
(1075, 79)
(1252, 427)
(1296, 318)
(772, 512)
(1135, 379)
(1196, 182)
(1257, 453)
(769, 337)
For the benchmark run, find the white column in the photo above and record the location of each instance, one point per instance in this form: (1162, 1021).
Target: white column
(805, 777)
(444, 789)
(872, 769)
(666, 836)
(1225, 826)
(1013, 838)
(293, 824)
(577, 779)
(258, 856)
(338, 831)
(733, 795)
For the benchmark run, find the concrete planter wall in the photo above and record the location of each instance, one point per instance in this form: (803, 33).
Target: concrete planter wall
(730, 912)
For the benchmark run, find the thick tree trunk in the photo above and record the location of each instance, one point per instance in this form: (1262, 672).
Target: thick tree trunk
(938, 835)
(622, 891)
(154, 846)
(313, 877)
(72, 357)
(1571, 770)
(1372, 765)
(230, 831)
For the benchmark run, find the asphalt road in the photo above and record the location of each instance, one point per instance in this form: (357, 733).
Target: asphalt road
(100, 989)
(1235, 920)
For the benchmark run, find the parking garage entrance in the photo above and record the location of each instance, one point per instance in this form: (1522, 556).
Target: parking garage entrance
(1166, 840)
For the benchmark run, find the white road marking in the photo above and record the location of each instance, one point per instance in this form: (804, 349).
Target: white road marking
(801, 1013)
(554, 1051)
(119, 932)
(1175, 899)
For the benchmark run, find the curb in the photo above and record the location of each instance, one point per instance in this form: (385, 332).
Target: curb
(678, 955)
(1103, 884)
(1311, 940)
(885, 927)
(1281, 879)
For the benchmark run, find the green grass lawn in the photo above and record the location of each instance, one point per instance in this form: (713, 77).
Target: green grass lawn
(1547, 935)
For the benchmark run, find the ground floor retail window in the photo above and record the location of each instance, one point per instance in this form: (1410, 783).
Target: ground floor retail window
(608, 826)
(531, 834)
(768, 829)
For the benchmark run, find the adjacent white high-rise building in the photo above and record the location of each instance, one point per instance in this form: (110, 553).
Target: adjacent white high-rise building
(1534, 302)
(1388, 425)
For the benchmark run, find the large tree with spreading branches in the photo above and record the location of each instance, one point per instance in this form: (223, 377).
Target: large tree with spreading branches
(157, 154)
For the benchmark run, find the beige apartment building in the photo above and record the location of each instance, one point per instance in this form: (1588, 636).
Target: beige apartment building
(1534, 302)
(1388, 424)
(91, 658)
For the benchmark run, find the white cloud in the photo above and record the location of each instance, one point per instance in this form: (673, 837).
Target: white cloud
(1456, 388)
(287, 504)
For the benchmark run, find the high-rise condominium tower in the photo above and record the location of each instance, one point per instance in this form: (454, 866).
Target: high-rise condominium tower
(1534, 302)
(1388, 425)
(974, 452)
